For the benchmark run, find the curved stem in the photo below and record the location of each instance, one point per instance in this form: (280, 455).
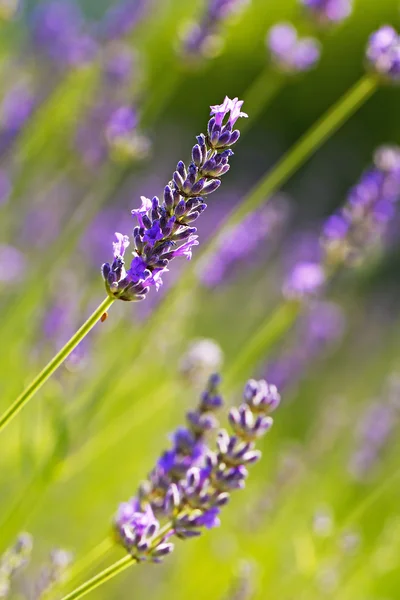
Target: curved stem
(53, 365)
(100, 578)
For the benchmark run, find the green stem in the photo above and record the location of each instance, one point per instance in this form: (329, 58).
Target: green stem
(89, 560)
(100, 578)
(114, 569)
(55, 362)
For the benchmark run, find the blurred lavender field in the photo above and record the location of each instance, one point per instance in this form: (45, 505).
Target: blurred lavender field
(292, 278)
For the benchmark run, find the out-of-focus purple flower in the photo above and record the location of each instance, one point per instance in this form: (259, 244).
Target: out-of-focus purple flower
(328, 11)
(164, 225)
(119, 64)
(374, 432)
(58, 30)
(289, 53)
(202, 39)
(191, 483)
(349, 233)
(109, 128)
(383, 53)
(122, 18)
(13, 265)
(305, 280)
(245, 242)
(319, 330)
(121, 123)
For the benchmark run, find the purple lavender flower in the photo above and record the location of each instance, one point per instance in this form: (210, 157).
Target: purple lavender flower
(328, 11)
(202, 38)
(191, 483)
(289, 53)
(162, 226)
(383, 53)
(370, 207)
(245, 242)
(58, 30)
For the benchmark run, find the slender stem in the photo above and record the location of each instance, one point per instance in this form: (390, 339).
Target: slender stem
(98, 580)
(89, 560)
(53, 365)
(114, 569)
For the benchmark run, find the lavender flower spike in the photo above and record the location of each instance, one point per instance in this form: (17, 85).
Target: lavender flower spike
(383, 54)
(327, 12)
(289, 53)
(364, 218)
(191, 482)
(163, 225)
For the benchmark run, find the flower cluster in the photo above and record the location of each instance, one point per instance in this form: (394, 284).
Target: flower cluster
(14, 559)
(191, 483)
(327, 12)
(202, 38)
(383, 53)
(163, 225)
(288, 52)
(370, 206)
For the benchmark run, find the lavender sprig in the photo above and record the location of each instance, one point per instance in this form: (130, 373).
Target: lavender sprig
(371, 203)
(163, 225)
(191, 482)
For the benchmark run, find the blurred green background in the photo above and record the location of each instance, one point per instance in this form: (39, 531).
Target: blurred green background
(97, 427)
